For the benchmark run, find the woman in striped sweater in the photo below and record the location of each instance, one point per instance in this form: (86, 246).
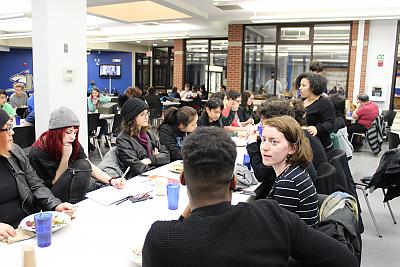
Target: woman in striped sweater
(285, 148)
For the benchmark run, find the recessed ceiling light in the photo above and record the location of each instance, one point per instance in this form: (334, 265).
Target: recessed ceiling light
(154, 44)
(165, 41)
(138, 42)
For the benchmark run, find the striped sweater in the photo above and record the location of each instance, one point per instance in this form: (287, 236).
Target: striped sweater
(295, 191)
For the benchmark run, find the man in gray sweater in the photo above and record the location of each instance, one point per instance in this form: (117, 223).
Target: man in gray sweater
(19, 97)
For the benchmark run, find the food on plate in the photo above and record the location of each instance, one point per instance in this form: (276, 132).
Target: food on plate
(177, 167)
(56, 221)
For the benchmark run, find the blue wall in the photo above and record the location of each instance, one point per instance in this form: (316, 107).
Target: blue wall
(18, 60)
(106, 57)
(13, 62)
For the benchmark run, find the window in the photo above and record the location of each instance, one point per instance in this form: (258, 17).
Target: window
(162, 68)
(274, 55)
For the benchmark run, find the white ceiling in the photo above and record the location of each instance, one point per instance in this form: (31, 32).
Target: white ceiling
(206, 20)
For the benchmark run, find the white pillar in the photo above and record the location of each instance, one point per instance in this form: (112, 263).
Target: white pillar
(59, 54)
(359, 52)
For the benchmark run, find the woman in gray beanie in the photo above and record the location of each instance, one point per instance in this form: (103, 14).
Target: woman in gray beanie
(136, 147)
(59, 159)
(22, 192)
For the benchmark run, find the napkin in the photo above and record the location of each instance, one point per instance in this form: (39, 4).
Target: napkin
(21, 235)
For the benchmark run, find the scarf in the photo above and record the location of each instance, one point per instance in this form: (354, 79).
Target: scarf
(143, 139)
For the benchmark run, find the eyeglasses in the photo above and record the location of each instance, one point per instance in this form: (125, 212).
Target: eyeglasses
(144, 114)
(9, 128)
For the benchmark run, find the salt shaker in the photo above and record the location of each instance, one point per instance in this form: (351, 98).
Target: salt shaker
(28, 256)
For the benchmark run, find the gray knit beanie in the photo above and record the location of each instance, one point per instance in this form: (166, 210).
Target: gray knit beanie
(132, 107)
(63, 117)
(4, 117)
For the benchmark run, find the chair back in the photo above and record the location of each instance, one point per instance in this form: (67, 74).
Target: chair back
(22, 112)
(389, 116)
(155, 110)
(394, 139)
(344, 179)
(24, 136)
(93, 121)
(117, 128)
(326, 181)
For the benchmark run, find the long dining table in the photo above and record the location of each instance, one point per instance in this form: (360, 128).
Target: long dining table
(106, 235)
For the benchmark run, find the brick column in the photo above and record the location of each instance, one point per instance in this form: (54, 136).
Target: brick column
(179, 63)
(364, 57)
(235, 53)
(352, 62)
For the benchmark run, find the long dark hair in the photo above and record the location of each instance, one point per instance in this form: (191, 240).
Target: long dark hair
(184, 115)
(245, 96)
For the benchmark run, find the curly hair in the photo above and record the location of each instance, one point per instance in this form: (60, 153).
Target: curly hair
(209, 157)
(131, 128)
(318, 83)
(293, 133)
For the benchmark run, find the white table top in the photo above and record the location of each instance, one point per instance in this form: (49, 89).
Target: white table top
(103, 235)
(22, 123)
(170, 103)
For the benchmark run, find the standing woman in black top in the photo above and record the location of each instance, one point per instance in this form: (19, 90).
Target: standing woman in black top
(320, 113)
(245, 111)
(176, 126)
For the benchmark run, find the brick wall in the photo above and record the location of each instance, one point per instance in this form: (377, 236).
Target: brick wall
(179, 63)
(364, 57)
(235, 53)
(352, 61)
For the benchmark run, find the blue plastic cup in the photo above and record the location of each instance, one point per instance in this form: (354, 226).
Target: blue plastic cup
(350, 113)
(17, 120)
(173, 195)
(260, 129)
(246, 161)
(43, 223)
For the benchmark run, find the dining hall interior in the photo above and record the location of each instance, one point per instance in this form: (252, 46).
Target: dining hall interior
(106, 108)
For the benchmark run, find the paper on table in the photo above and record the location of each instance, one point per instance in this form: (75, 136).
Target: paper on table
(109, 194)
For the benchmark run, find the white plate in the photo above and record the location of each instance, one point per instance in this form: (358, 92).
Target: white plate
(60, 217)
(135, 254)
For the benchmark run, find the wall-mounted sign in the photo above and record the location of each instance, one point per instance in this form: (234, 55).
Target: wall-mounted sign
(116, 60)
(380, 59)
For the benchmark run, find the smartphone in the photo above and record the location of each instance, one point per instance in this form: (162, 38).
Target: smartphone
(134, 199)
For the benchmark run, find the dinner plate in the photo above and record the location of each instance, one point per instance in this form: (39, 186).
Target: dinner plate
(60, 220)
(136, 255)
(177, 168)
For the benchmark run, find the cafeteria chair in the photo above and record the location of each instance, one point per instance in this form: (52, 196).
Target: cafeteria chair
(93, 120)
(115, 130)
(388, 118)
(155, 114)
(394, 139)
(325, 182)
(24, 136)
(22, 112)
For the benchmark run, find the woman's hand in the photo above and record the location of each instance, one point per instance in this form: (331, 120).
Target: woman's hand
(67, 208)
(6, 231)
(146, 161)
(118, 183)
(155, 151)
(312, 130)
(252, 138)
(67, 151)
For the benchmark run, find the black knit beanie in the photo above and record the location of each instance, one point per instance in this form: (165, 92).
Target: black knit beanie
(131, 108)
(4, 117)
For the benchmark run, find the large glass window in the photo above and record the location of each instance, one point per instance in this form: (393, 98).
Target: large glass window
(396, 100)
(206, 63)
(274, 55)
(162, 68)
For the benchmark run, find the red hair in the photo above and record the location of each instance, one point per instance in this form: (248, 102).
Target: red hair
(51, 142)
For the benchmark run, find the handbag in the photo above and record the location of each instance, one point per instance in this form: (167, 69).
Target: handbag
(244, 177)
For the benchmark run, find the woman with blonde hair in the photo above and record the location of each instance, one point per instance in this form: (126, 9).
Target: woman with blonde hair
(286, 149)
(22, 192)
(137, 148)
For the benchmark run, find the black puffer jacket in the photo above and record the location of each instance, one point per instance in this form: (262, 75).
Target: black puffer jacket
(130, 153)
(34, 195)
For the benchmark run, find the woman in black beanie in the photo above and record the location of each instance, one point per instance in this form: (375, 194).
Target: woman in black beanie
(136, 147)
(22, 192)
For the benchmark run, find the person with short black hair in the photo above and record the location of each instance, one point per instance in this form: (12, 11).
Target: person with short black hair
(212, 231)
(185, 93)
(232, 105)
(320, 113)
(211, 115)
(316, 67)
(6, 106)
(178, 123)
(365, 114)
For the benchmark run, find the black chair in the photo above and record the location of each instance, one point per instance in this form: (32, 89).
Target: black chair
(93, 121)
(388, 118)
(22, 112)
(155, 110)
(344, 179)
(116, 128)
(325, 183)
(24, 136)
(394, 139)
